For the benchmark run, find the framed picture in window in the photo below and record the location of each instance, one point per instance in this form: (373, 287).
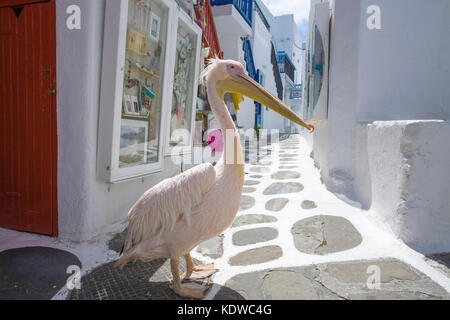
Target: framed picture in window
(136, 106)
(155, 26)
(133, 143)
(136, 42)
(128, 105)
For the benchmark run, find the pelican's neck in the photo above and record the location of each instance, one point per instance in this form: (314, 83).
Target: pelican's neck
(219, 108)
(228, 128)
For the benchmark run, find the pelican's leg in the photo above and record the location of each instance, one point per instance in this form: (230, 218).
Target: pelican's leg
(191, 290)
(189, 266)
(198, 272)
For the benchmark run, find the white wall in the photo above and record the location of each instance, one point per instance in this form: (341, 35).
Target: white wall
(86, 208)
(396, 169)
(229, 21)
(405, 66)
(403, 176)
(336, 147)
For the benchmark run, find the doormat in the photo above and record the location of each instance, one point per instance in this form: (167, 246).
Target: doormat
(34, 273)
(137, 281)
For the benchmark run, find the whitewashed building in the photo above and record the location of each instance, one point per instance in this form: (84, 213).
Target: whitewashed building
(376, 85)
(267, 46)
(233, 22)
(264, 48)
(290, 59)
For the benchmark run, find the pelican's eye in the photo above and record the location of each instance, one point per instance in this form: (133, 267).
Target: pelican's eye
(233, 70)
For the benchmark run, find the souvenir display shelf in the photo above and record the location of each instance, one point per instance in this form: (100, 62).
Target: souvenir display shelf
(148, 71)
(184, 85)
(187, 37)
(142, 83)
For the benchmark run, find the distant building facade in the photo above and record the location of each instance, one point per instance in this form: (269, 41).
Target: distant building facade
(275, 61)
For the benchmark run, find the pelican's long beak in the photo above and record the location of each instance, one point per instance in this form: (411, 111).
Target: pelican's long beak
(243, 84)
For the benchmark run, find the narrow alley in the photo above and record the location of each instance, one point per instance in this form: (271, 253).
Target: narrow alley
(291, 239)
(116, 113)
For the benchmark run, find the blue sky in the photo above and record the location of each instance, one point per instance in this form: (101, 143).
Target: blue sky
(300, 9)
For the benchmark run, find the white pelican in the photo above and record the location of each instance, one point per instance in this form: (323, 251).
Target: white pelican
(177, 214)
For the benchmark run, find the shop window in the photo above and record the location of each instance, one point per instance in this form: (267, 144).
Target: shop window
(184, 86)
(149, 86)
(142, 84)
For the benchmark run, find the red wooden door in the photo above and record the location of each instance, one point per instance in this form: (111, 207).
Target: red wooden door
(28, 116)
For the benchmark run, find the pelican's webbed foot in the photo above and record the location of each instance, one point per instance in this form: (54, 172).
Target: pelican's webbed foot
(190, 289)
(198, 272)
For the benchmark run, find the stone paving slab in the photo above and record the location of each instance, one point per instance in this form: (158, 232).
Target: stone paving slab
(325, 234)
(246, 203)
(261, 163)
(308, 204)
(256, 256)
(287, 155)
(338, 280)
(283, 187)
(288, 160)
(288, 167)
(276, 204)
(212, 248)
(248, 190)
(251, 182)
(252, 236)
(286, 174)
(252, 219)
(260, 169)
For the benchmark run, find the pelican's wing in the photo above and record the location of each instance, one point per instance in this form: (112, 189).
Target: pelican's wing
(160, 207)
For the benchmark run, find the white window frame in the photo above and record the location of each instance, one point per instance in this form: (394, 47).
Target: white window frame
(113, 66)
(180, 14)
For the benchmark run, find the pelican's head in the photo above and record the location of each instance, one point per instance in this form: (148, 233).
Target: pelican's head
(230, 76)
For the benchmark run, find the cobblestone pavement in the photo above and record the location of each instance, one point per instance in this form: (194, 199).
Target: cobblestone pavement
(291, 239)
